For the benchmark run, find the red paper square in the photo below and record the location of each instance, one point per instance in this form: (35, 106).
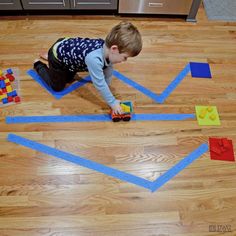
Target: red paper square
(221, 149)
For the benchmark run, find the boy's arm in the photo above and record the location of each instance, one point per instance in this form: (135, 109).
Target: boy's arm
(95, 68)
(108, 74)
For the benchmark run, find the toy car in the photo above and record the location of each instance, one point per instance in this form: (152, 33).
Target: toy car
(127, 110)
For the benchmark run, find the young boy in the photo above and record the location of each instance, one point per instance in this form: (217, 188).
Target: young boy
(71, 55)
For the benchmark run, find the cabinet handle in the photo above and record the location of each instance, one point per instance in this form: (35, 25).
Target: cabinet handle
(155, 4)
(91, 3)
(49, 3)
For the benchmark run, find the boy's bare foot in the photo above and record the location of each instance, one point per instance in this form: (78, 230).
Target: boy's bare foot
(77, 77)
(43, 56)
(36, 60)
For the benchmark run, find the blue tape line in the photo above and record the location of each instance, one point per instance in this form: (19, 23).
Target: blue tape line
(94, 118)
(179, 167)
(153, 186)
(157, 98)
(43, 119)
(79, 160)
(174, 83)
(146, 117)
(58, 95)
(137, 86)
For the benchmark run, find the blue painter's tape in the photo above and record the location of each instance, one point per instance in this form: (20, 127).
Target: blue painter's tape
(157, 98)
(137, 86)
(79, 160)
(94, 118)
(170, 88)
(55, 119)
(153, 186)
(179, 167)
(58, 95)
(146, 117)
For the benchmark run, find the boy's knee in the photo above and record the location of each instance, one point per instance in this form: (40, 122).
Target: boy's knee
(58, 87)
(38, 65)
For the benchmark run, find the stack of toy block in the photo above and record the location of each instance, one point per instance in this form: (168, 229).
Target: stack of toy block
(7, 93)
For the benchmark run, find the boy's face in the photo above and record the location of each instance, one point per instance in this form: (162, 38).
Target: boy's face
(115, 56)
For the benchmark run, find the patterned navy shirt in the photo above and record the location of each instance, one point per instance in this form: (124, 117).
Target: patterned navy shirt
(73, 51)
(84, 54)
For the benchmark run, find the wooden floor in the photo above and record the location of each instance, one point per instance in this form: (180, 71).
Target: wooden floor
(43, 195)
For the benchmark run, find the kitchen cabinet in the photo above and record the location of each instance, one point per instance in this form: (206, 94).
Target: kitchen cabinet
(45, 4)
(94, 4)
(10, 5)
(188, 8)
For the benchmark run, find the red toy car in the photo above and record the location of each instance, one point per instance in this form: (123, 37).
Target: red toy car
(126, 116)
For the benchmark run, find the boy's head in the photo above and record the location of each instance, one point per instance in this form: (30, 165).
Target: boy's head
(124, 39)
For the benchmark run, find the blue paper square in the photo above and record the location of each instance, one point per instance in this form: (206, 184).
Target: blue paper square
(200, 70)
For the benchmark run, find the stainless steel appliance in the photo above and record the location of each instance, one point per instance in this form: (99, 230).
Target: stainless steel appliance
(176, 7)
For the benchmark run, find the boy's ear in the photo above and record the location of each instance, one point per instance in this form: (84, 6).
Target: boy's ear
(114, 48)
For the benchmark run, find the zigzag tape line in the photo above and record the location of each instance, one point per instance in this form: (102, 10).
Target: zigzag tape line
(67, 90)
(157, 98)
(153, 186)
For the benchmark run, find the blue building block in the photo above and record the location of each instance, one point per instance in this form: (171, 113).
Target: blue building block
(9, 71)
(4, 100)
(2, 84)
(200, 70)
(12, 94)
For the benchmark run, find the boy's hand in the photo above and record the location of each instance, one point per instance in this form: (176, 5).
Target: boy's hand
(117, 109)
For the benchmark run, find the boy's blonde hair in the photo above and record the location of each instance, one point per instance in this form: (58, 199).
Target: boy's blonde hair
(126, 37)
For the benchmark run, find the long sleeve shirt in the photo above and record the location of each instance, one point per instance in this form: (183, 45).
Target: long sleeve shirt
(84, 54)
